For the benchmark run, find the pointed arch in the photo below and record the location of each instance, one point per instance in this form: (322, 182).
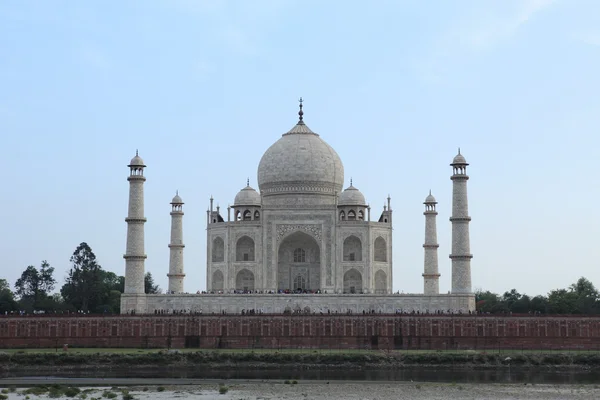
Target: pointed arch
(299, 254)
(380, 282)
(244, 249)
(380, 247)
(218, 249)
(361, 215)
(351, 215)
(218, 281)
(342, 215)
(247, 215)
(352, 281)
(244, 280)
(352, 249)
(257, 215)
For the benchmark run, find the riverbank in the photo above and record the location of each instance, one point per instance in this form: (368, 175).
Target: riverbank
(317, 390)
(306, 359)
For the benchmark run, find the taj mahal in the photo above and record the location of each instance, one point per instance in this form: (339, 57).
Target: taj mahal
(300, 243)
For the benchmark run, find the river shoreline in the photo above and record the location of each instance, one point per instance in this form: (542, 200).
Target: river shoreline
(309, 360)
(352, 390)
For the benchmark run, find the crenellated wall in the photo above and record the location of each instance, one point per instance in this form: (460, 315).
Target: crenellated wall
(304, 331)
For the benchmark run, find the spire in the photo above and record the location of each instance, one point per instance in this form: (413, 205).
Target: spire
(136, 152)
(430, 192)
(350, 181)
(247, 181)
(300, 113)
(459, 151)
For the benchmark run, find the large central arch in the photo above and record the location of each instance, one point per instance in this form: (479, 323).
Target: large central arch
(299, 262)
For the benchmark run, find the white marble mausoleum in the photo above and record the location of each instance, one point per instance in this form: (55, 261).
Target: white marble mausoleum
(299, 242)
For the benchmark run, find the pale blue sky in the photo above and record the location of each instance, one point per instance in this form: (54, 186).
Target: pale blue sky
(203, 88)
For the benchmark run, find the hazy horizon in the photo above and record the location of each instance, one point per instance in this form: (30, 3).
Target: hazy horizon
(203, 88)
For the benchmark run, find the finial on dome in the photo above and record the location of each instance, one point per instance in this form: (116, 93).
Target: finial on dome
(136, 152)
(459, 151)
(430, 192)
(300, 113)
(177, 192)
(247, 181)
(350, 181)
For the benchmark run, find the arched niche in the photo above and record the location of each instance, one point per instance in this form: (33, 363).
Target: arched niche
(244, 249)
(380, 250)
(299, 261)
(380, 282)
(244, 280)
(218, 281)
(353, 281)
(352, 249)
(218, 250)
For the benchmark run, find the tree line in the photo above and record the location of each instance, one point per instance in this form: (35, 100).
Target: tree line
(581, 297)
(86, 288)
(89, 288)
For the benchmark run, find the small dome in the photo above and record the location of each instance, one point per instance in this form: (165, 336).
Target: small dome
(459, 159)
(351, 197)
(430, 199)
(177, 199)
(247, 197)
(136, 161)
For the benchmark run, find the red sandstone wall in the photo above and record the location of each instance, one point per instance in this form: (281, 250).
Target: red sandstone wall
(299, 331)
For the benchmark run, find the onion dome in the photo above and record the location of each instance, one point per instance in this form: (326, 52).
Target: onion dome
(351, 197)
(300, 162)
(136, 161)
(247, 197)
(430, 199)
(177, 199)
(459, 159)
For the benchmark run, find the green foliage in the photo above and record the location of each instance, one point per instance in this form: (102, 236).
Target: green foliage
(149, 285)
(7, 298)
(83, 287)
(579, 298)
(160, 388)
(34, 287)
(90, 288)
(109, 395)
(72, 391)
(3, 396)
(223, 389)
(127, 395)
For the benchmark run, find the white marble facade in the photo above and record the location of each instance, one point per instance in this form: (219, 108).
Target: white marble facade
(301, 233)
(301, 236)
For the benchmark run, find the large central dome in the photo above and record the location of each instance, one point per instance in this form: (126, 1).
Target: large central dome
(300, 162)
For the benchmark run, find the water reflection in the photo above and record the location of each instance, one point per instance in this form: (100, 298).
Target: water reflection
(459, 375)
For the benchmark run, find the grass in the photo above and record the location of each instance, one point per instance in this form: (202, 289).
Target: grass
(131, 351)
(129, 357)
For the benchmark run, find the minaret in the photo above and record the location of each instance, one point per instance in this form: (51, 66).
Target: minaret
(431, 276)
(461, 248)
(134, 254)
(176, 246)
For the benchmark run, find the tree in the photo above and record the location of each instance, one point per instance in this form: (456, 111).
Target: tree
(33, 287)
(7, 298)
(83, 288)
(539, 304)
(588, 299)
(562, 301)
(486, 301)
(149, 286)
